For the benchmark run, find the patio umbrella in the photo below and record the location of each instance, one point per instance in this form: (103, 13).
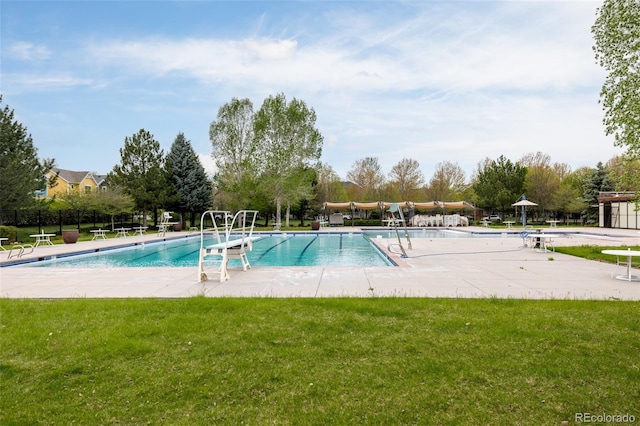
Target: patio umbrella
(523, 203)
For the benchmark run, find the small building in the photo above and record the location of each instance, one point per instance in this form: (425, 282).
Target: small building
(72, 182)
(619, 210)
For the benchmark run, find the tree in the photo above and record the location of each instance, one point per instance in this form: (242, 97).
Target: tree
(598, 181)
(624, 171)
(567, 199)
(141, 173)
(22, 173)
(329, 188)
(448, 183)
(406, 176)
(112, 202)
(189, 180)
(368, 178)
(286, 144)
(541, 181)
(499, 183)
(617, 49)
(234, 151)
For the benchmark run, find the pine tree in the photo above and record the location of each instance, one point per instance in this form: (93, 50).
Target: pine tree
(141, 173)
(190, 182)
(21, 172)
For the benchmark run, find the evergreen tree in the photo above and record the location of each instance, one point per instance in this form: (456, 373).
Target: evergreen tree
(190, 182)
(141, 173)
(499, 183)
(21, 172)
(598, 181)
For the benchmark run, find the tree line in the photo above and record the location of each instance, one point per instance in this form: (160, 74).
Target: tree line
(269, 159)
(493, 186)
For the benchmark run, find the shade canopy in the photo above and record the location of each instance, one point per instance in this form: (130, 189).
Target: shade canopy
(337, 206)
(367, 206)
(524, 202)
(424, 205)
(452, 205)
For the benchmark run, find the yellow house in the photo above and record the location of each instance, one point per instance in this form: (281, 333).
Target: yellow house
(71, 182)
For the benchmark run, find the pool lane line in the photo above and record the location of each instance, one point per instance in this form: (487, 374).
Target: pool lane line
(307, 246)
(271, 248)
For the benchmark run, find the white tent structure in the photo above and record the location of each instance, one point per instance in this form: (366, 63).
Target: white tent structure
(524, 203)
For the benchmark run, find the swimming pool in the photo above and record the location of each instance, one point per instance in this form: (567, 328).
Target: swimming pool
(302, 249)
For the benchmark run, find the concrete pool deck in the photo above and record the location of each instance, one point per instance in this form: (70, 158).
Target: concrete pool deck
(495, 266)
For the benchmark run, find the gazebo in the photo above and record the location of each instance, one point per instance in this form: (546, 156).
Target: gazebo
(524, 203)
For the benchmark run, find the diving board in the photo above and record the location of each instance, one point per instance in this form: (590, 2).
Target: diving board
(233, 239)
(231, 244)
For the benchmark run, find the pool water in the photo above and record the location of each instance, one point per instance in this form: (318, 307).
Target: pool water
(271, 250)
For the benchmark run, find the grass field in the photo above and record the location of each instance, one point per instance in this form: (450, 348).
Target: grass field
(317, 361)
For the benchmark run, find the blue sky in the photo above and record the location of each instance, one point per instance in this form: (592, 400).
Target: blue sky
(435, 81)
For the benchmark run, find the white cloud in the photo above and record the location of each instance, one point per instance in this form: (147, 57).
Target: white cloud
(421, 54)
(33, 82)
(434, 81)
(26, 51)
(208, 164)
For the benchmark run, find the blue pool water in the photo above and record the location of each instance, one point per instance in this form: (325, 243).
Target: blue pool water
(271, 250)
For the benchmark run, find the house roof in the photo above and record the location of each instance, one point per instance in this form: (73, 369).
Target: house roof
(99, 179)
(604, 197)
(72, 176)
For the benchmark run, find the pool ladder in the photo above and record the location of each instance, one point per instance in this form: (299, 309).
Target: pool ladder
(393, 209)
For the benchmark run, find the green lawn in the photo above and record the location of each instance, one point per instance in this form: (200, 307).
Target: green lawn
(317, 361)
(593, 252)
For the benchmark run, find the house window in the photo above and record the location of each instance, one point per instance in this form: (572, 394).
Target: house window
(87, 189)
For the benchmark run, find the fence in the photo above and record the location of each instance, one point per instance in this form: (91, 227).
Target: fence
(57, 220)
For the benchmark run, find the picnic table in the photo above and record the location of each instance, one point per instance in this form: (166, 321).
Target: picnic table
(122, 232)
(140, 230)
(1, 240)
(99, 233)
(42, 239)
(509, 223)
